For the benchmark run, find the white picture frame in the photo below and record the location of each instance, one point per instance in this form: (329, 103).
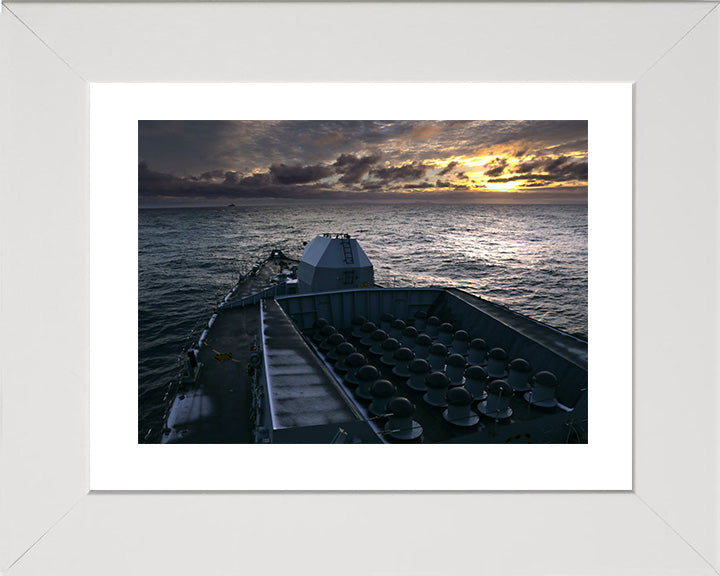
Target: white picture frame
(119, 462)
(668, 524)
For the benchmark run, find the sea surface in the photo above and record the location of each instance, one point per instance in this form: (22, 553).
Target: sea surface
(532, 258)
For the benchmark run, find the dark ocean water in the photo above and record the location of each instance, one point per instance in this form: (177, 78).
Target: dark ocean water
(531, 258)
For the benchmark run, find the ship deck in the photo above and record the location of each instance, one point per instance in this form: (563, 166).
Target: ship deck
(303, 392)
(216, 408)
(437, 430)
(564, 345)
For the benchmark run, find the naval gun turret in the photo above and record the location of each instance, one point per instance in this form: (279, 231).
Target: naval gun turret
(334, 262)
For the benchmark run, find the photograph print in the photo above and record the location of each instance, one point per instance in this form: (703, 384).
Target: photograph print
(350, 282)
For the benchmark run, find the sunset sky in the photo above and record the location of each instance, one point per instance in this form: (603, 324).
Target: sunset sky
(216, 162)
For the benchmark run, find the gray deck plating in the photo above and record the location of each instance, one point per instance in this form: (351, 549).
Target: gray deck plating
(564, 345)
(216, 409)
(302, 392)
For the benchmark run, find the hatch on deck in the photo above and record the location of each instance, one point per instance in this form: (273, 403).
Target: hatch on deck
(334, 262)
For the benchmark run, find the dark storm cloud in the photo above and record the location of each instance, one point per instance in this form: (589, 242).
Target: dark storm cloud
(530, 166)
(497, 167)
(412, 171)
(260, 187)
(283, 174)
(448, 168)
(421, 186)
(563, 172)
(259, 180)
(368, 185)
(559, 165)
(557, 132)
(212, 174)
(576, 171)
(147, 177)
(556, 163)
(354, 168)
(231, 178)
(574, 146)
(201, 146)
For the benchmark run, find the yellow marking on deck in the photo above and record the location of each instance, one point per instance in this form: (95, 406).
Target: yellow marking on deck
(222, 356)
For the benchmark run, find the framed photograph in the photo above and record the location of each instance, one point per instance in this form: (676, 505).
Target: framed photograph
(586, 122)
(78, 480)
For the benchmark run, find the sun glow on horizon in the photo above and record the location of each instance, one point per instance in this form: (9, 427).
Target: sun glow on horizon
(503, 186)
